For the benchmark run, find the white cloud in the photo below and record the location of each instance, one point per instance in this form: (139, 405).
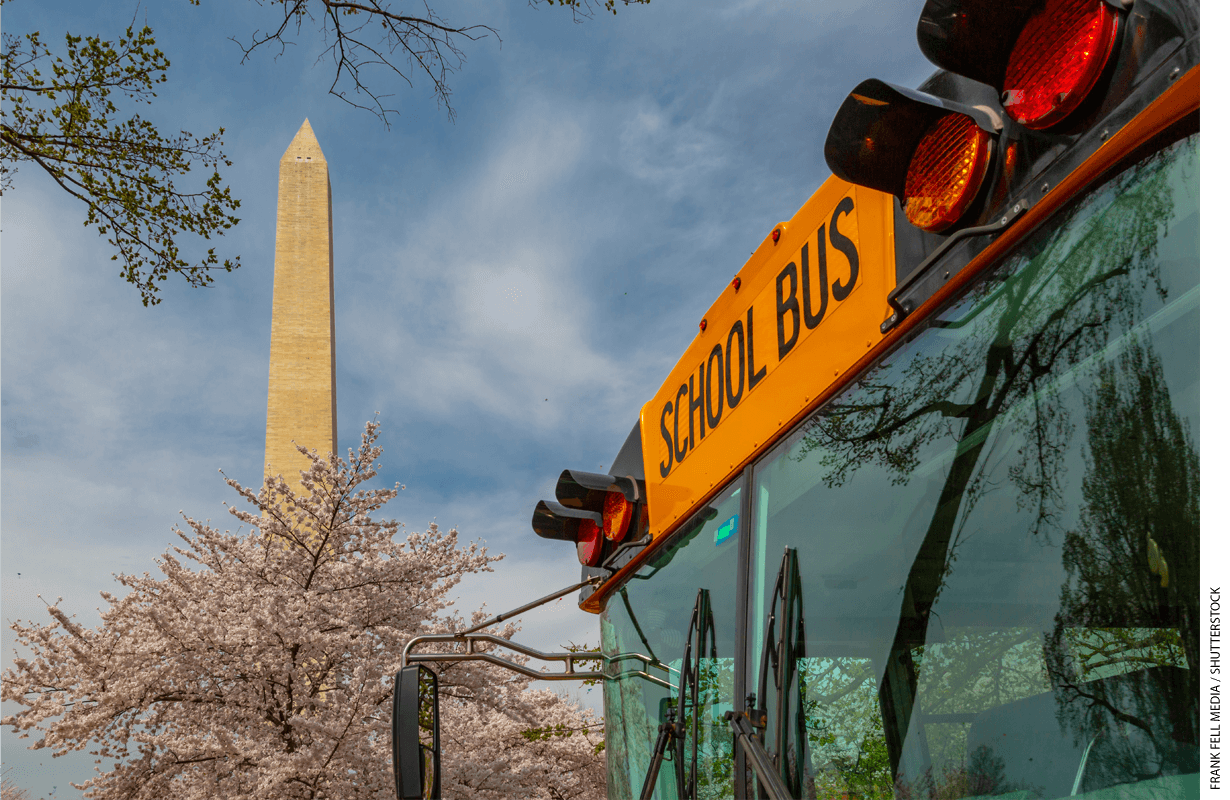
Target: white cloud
(795, 9)
(676, 155)
(501, 325)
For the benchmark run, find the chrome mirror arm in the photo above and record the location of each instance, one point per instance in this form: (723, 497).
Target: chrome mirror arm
(408, 656)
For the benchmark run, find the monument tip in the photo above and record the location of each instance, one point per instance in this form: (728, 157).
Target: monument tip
(304, 146)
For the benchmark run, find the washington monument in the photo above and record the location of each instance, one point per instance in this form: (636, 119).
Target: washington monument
(302, 351)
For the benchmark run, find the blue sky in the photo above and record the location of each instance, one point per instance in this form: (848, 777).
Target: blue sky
(510, 287)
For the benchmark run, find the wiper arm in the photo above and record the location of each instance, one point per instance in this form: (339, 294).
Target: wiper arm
(669, 734)
(757, 757)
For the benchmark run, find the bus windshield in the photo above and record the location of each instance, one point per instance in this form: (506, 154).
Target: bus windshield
(997, 532)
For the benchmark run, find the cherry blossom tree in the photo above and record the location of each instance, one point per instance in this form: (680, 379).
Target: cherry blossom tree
(9, 789)
(260, 663)
(538, 746)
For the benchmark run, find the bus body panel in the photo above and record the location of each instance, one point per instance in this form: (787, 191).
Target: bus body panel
(806, 309)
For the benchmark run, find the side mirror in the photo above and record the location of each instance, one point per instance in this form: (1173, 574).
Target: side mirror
(416, 734)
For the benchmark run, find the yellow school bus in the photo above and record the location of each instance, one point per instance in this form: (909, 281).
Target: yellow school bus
(915, 515)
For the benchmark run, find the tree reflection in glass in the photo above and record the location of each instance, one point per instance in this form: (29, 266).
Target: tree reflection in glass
(1127, 621)
(1035, 520)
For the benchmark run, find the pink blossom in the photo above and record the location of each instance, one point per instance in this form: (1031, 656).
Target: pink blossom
(261, 663)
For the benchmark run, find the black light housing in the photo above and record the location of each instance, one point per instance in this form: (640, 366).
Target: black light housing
(878, 127)
(556, 521)
(973, 37)
(582, 486)
(1043, 58)
(592, 511)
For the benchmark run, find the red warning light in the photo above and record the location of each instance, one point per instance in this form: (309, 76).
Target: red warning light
(1057, 59)
(589, 543)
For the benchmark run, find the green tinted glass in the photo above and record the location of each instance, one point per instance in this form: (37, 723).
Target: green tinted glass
(651, 616)
(998, 526)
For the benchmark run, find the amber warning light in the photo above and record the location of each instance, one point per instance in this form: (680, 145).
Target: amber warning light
(946, 172)
(931, 153)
